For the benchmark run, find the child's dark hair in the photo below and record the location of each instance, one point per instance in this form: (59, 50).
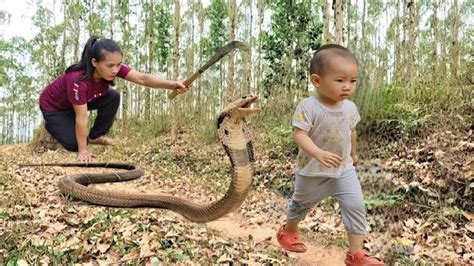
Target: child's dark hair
(94, 48)
(325, 53)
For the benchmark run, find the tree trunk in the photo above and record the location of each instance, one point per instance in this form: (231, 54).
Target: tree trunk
(123, 9)
(77, 29)
(454, 53)
(63, 48)
(259, 74)
(149, 36)
(411, 38)
(339, 21)
(434, 48)
(326, 22)
(231, 67)
(176, 108)
(111, 10)
(348, 25)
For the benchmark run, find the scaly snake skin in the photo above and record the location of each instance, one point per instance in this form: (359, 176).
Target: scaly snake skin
(233, 135)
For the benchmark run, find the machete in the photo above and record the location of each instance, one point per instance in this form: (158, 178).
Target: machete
(217, 56)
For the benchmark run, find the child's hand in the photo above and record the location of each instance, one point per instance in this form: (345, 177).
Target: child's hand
(355, 159)
(329, 159)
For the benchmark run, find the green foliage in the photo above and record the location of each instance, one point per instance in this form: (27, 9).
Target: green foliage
(294, 33)
(396, 112)
(283, 186)
(98, 19)
(162, 31)
(373, 202)
(106, 217)
(280, 136)
(216, 13)
(4, 215)
(205, 133)
(55, 257)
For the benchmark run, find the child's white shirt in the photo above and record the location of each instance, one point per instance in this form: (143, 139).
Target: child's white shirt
(330, 129)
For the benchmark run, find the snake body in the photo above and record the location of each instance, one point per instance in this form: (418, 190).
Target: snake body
(234, 137)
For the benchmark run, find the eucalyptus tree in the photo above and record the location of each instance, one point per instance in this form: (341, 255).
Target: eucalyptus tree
(326, 10)
(231, 8)
(123, 13)
(454, 39)
(176, 57)
(18, 91)
(218, 36)
(340, 6)
(246, 77)
(149, 40)
(162, 25)
(47, 44)
(74, 11)
(259, 72)
(411, 33)
(98, 20)
(295, 32)
(435, 40)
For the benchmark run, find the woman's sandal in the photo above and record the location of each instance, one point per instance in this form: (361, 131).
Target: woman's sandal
(103, 140)
(290, 241)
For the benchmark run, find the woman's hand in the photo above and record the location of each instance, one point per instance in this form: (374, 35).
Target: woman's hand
(85, 156)
(328, 159)
(180, 88)
(355, 159)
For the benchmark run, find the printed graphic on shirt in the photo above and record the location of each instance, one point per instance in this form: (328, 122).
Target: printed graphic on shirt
(76, 91)
(303, 160)
(94, 96)
(299, 116)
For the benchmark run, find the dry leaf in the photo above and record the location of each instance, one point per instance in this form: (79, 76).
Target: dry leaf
(468, 215)
(470, 227)
(22, 263)
(132, 255)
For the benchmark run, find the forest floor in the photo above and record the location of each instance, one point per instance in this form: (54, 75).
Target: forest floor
(419, 203)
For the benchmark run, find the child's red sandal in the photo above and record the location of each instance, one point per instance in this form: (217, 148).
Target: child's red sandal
(361, 258)
(290, 241)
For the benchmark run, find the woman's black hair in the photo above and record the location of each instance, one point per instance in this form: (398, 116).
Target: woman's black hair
(94, 48)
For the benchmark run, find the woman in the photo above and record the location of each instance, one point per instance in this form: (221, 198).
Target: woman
(86, 86)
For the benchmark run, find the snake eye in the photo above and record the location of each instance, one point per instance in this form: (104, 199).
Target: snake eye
(244, 97)
(226, 132)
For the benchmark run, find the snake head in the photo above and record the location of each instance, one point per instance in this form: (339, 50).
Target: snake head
(242, 107)
(239, 108)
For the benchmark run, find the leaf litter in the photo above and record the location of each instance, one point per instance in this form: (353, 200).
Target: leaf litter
(42, 226)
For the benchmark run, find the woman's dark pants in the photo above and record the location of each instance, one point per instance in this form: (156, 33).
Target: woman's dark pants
(62, 124)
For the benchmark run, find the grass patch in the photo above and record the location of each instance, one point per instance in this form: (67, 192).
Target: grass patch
(126, 248)
(4, 215)
(106, 217)
(280, 137)
(34, 255)
(283, 186)
(373, 202)
(394, 112)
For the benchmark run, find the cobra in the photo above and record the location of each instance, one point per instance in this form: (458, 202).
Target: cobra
(234, 137)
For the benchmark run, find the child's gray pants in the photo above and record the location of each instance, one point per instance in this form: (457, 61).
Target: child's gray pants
(310, 190)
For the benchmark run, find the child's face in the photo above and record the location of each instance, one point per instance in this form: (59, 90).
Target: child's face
(338, 82)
